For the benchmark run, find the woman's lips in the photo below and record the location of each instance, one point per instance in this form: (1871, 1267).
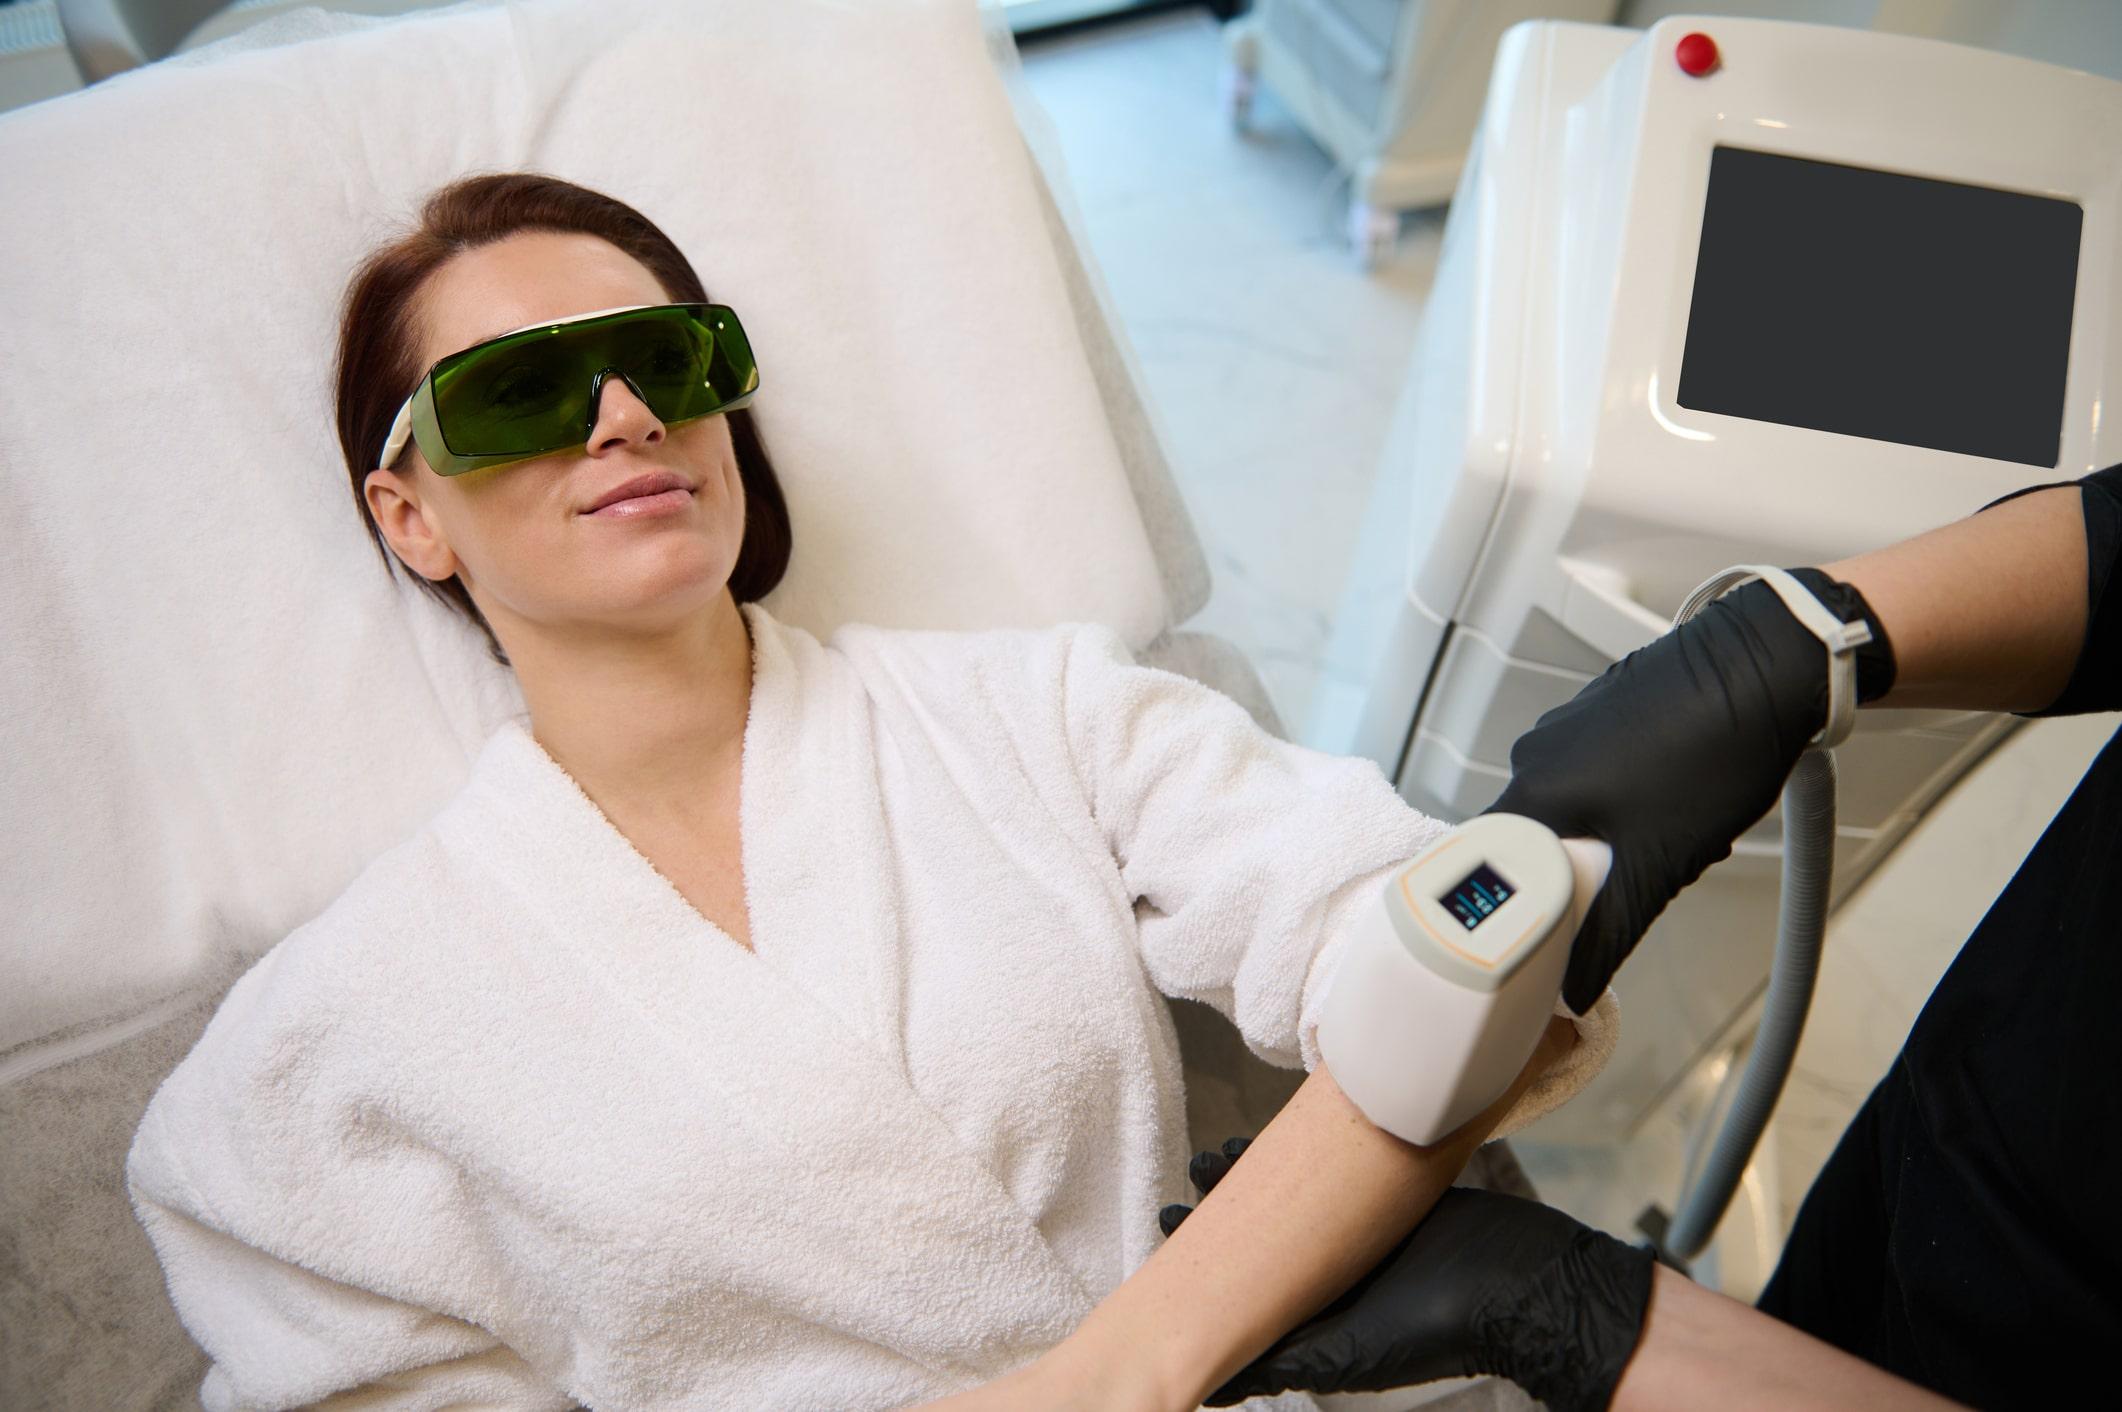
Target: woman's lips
(665, 502)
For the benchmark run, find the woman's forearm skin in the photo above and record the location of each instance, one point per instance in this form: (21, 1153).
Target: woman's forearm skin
(1701, 1349)
(1987, 613)
(1320, 1197)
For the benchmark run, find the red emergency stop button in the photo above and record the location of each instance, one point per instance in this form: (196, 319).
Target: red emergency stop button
(1696, 53)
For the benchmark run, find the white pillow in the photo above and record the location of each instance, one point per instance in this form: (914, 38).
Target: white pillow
(219, 706)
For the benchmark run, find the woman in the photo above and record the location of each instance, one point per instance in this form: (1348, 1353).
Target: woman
(768, 1024)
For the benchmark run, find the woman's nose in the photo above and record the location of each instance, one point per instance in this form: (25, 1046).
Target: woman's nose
(621, 416)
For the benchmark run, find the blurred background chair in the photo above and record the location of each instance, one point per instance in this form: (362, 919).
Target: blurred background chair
(108, 37)
(1391, 88)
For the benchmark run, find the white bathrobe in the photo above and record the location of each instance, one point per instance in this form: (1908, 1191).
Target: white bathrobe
(510, 1124)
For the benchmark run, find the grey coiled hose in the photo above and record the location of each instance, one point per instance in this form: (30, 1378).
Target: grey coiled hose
(1808, 873)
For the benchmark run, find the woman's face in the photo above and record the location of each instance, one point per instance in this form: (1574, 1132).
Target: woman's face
(520, 536)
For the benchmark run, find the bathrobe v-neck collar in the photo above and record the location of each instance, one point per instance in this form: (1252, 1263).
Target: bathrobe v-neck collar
(813, 1073)
(816, 898)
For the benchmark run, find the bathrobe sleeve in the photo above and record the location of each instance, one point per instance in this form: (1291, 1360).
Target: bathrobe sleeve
(280, 1336)
(216, 1180)
(1249, 857)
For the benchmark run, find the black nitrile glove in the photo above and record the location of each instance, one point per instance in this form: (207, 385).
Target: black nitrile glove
(1486, 1284)
(1677, 749)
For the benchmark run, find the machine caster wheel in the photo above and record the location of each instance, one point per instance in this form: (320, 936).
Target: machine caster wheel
(1236, 95)
(1373, 233)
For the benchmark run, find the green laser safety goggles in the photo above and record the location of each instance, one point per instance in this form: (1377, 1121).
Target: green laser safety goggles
(535, 390)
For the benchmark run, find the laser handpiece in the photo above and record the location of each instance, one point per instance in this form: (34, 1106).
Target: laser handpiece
(1453, 971)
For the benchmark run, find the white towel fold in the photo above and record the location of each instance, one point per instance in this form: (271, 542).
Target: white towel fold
(511, 1122)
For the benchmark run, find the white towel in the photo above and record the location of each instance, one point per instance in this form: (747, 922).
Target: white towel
(512, 1122)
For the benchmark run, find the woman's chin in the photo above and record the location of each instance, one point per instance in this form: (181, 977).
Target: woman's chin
(665, 601)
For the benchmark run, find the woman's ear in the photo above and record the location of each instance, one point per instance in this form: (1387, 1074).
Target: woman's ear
(417, 542)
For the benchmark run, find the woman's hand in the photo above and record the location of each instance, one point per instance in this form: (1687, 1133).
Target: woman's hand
(1486, 1284)
(1019, 1389)
(1064, 1379)
(1481, 1286)
(1328, 1196)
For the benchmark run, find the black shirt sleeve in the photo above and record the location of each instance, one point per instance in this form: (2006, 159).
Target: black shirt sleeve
(2096, 683)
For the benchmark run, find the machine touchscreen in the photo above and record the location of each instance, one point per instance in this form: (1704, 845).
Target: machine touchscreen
(1873, 304)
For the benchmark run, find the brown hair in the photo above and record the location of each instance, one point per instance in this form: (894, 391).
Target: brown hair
(378, 342)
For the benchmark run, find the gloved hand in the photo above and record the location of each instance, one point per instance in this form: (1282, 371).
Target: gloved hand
(1486, 1284)
(1679, 748)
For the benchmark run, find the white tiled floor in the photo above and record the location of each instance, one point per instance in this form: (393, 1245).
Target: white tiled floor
(1272, 362)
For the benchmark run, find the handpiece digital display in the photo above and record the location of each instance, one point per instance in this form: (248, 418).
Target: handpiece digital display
(1477, 896)
(1899, 308)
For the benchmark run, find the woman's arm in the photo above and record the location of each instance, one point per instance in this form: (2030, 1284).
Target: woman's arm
(219, 1198)
(1320, 1198)
(1245, 858)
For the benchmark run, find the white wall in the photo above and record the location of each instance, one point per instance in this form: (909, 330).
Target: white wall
(1855, 13)
(2079, 34)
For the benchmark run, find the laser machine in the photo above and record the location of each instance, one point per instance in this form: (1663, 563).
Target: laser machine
(1725, 291)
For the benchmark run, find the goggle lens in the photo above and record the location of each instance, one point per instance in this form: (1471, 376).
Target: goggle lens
(529, 393)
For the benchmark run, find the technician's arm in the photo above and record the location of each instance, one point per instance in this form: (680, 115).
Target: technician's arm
(1703, 1349)
(1988, 613)
(2007, 609)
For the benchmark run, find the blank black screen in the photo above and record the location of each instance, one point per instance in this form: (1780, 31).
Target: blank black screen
(1891, 307)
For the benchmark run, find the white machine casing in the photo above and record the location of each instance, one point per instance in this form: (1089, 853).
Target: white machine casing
(1427, 1022)
(1559, 502)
